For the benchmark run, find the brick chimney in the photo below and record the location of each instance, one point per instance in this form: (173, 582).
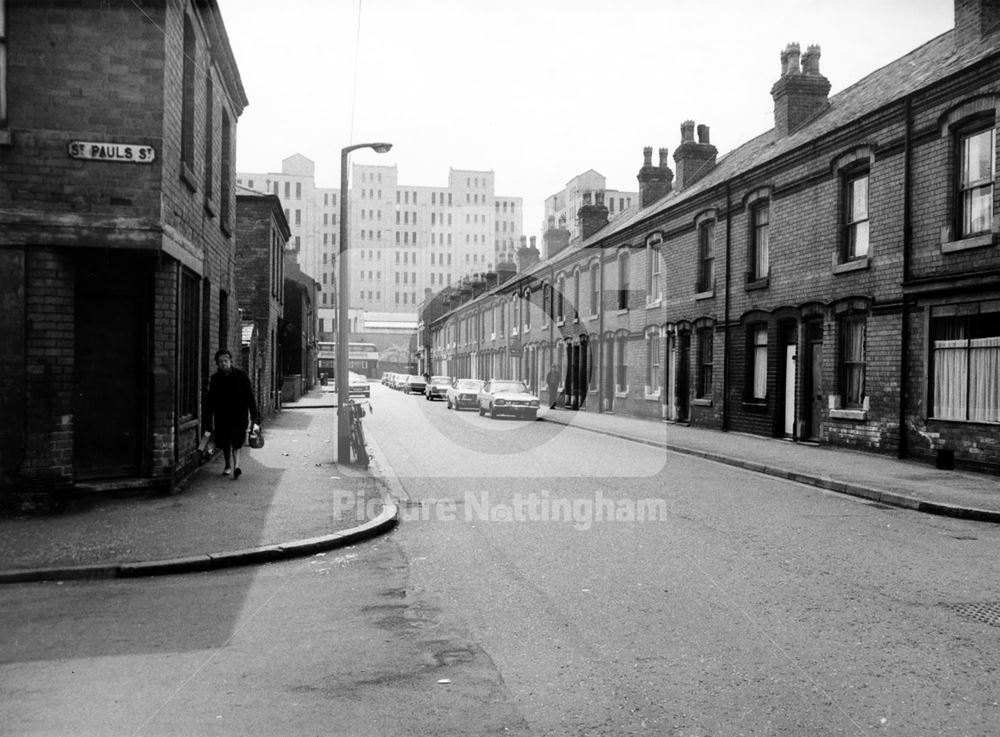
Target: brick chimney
(801, 92)
(505, 270)
(974, 21)
(694, 159)
(527, 257)
(592, 217)
(555, 239)
(654, 181)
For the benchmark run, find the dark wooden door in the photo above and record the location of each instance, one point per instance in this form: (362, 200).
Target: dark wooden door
(107, 419)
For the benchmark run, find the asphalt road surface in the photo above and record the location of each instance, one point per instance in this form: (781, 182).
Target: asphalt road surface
(543, 581)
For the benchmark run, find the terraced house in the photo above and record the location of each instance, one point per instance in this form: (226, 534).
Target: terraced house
(836, 279)
(117, 238)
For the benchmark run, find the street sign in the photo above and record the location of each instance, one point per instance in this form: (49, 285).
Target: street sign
(129, 153)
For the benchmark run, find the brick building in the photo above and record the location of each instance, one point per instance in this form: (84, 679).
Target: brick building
(117, 145)
(835, 279)
(262, 234)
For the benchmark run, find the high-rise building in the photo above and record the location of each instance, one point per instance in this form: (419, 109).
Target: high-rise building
(561, 208)
(403, 238)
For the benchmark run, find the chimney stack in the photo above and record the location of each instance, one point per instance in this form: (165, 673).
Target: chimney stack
(527, 257)
(655, 182)
(555, 239)
(974, 21)
(801, 92)
(694, 159)
(592, 217)
(505, 270)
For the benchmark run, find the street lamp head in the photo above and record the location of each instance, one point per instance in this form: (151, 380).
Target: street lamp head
(381, 148)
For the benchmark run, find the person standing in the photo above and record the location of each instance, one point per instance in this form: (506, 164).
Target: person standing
(231, 409)
(552, 380)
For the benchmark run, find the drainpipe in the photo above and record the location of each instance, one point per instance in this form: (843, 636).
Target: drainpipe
(904, 333)
(602, 365)
(725, 334)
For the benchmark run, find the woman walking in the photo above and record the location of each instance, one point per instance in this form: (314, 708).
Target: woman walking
(231, 409)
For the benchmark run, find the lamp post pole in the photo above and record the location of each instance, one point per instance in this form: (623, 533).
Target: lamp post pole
(343, 305)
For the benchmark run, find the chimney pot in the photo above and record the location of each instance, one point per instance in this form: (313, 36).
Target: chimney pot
(793, 52)
(552, 222)
(810, 60)
(687, 131)
(524, 241)
(533, 241)
(664, 158)
(703, 134)
(647, 156)
(586, 198)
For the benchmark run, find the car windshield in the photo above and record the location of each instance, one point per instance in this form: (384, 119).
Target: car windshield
(472, 384)
(440, 379)
(508, 386)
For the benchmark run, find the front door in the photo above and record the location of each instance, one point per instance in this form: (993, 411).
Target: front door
(790, 355)
(107, 412)
(814, 389)
(683, 375)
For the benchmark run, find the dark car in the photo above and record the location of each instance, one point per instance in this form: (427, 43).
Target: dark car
(437, 387)
(462, 393)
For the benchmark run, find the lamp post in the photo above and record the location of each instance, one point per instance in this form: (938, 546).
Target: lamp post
(343, 306)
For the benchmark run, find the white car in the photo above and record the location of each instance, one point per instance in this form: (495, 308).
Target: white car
(507, 397)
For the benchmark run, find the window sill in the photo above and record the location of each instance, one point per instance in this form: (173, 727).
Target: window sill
(849, 414)
(560, 323)
(755, 284)
(952, 421)
(966, 244)
(621, 311)
(187, 176)
(224, 227)
(701, 402)
(654, 304)
(209, 209)
(857, 264)
(705, 295)
(621, 393)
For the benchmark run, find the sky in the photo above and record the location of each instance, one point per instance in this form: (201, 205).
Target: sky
(536, 91)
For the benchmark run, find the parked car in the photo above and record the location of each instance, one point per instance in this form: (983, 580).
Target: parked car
(385, 378)
(358, 384)
(507, 397)
(414, 384)
(463, 393)
(437, 387)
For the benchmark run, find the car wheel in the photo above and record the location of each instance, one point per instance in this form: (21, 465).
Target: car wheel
(493, 412)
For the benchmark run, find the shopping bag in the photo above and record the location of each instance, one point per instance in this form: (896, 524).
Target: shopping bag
(206, 448)
(256, 439)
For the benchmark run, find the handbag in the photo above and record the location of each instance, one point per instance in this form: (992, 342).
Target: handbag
(206, 448)
(256, 439)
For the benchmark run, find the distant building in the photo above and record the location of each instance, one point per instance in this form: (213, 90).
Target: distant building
(561, 208)
(261, 236)
(117, 223)
(403, 239)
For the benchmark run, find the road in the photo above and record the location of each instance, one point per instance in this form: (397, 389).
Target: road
(544, 581)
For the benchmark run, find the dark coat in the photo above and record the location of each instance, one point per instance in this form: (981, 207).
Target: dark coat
(231, 407)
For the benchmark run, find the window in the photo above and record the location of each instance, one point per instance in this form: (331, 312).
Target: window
(706, 274)
(621, 363)
(209, 137)
(187, 96)
(576, 295)
(965, 355)
(560, 301)
(856, 216)
(852, 361)
(975, 187)
(653, 362)
(527, 309)
(760, 218)
(4, 133)
(654, 288)
(623, 279)
(757, 362)
(298, 190)
(226, 174)
(187, 346)
(595, 288)
(705, 363)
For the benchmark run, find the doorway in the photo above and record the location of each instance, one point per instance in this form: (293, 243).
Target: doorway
(812, 377)
(108, 415)
(682, 401)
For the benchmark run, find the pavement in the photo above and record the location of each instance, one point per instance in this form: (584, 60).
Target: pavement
(293, 499)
